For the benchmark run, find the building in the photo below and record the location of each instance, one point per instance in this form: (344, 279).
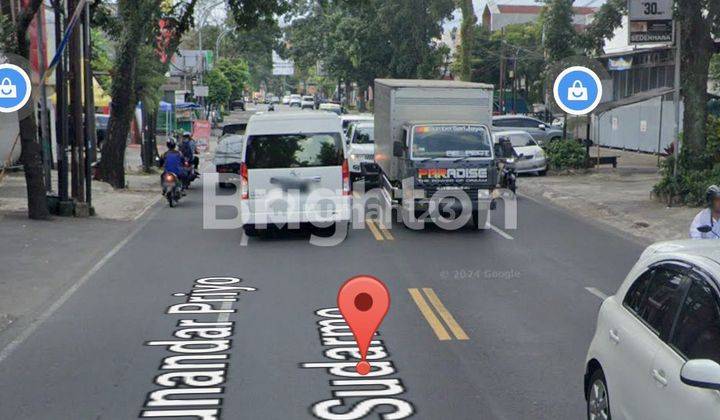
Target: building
(498, 14)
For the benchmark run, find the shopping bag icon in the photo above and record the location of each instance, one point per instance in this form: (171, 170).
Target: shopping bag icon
(577, 92)
(7, 89)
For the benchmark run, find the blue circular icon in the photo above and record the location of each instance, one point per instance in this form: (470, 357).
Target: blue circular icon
(15, 88)
(577, 90)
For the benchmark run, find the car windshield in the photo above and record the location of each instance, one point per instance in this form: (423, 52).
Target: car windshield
(294, 151)
(436, 141)
(307, 98)
(364, 134)
(521, 140)
(294, 96)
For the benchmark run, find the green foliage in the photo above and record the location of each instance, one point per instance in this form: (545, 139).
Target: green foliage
(715, 71)
(603, 25)
(467, 35)
(150, 77)
(219, 86)
(236, 71)
(566, 154)
(696, 171)
(560, 35)
(101, 61)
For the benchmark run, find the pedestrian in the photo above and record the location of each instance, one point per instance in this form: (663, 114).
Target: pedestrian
(706, 224)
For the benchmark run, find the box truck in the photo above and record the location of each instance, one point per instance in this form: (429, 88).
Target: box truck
(434, 147)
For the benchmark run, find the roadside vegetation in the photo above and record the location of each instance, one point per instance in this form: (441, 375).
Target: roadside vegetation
(566, 154)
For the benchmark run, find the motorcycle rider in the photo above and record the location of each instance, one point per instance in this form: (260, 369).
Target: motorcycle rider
(173, 161)
(708, 217)
(188, 147)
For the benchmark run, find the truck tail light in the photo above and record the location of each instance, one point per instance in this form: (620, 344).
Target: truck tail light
(346, 177)
(244, 186)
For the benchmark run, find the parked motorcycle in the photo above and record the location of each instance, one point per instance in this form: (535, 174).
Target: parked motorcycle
(171, 187)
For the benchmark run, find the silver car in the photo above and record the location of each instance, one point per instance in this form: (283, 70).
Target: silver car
(531, 156)
(541, 132)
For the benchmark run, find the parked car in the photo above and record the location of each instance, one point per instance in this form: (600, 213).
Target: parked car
(295, 100)
(228, 156)
(234, 128)
(308, 102)
(362, 164)
(532, 157)
(331, 107)
(273, 99)
(541, 132)
(286, 100)
(296, 155)
(656, 349)
(348, 119)
(101, 127)
(237, 104)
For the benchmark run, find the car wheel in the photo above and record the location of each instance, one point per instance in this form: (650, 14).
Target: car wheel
(598, 400)
(250, 230)
(554, 139)
(542, 173)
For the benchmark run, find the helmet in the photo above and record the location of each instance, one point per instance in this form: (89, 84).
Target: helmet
(713, 192)
(186, 134)
(170, 143)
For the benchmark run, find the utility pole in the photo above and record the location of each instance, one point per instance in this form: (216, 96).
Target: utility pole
(90, 140)
(502, 71)
(44, 123)
(75, 53)
(676, 95)
(515, 81)
(61, 122)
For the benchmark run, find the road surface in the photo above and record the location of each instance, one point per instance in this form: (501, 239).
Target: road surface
(482, 325)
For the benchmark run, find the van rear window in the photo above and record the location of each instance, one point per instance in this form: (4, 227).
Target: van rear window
(294, 151)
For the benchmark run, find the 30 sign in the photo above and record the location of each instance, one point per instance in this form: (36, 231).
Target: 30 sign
(650, 21)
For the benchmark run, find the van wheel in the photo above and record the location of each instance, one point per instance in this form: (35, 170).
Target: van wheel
(250, 230)
(598, 400)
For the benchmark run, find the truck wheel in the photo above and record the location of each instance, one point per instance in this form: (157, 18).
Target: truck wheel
(250, 230)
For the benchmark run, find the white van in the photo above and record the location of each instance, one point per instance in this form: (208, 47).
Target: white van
(294, 171)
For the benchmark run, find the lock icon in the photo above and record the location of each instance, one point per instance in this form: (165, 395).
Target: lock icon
(7, 89)
(577, 92)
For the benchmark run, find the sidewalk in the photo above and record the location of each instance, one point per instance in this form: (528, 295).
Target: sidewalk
(129, 204)
(620, 197)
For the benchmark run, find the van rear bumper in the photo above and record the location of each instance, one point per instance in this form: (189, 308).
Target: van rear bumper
(255, 212)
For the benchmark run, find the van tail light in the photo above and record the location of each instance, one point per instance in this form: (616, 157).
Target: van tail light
(346, 177)
(244, 186)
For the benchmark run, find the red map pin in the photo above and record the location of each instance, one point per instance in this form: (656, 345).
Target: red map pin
(363, 302)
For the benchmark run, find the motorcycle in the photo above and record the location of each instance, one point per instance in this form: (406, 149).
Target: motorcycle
(507, 157)
(172, 190)
(192, 174)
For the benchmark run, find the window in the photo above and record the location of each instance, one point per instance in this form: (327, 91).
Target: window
(505, 122)
(697, 331)
(655, 299)
(522, 140)
(294, 151)
(528, 123)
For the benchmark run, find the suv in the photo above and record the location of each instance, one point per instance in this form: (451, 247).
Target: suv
(308, 102)
(295, 100)
(541, 132)
(237, 104)
(656, 349)
(361, 139)
(294, 171)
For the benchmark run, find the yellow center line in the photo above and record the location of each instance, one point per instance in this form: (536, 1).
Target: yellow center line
(430, 317)
(445, 314)
(375, 231)
(389, 236)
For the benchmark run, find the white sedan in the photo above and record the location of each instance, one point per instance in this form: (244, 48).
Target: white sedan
(656, 350)
(532, 157)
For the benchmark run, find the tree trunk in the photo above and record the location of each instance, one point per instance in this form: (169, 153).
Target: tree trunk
(31, 154)
(122, 109)
(697, 51)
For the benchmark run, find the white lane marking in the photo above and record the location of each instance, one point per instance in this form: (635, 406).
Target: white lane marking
(597, 293)
(499, 231)
(147, 207)
(225, 316)
(14, 344)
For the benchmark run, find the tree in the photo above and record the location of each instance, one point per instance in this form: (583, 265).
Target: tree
(137, 24)
(700, 21)
(467, 39)
(31, 154)
(219, 87)
(560, 36)
(237, 73)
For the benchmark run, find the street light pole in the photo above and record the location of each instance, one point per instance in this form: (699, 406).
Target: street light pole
(676, 96)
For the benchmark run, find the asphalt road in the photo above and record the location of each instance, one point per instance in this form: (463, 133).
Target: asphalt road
(481, 326)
